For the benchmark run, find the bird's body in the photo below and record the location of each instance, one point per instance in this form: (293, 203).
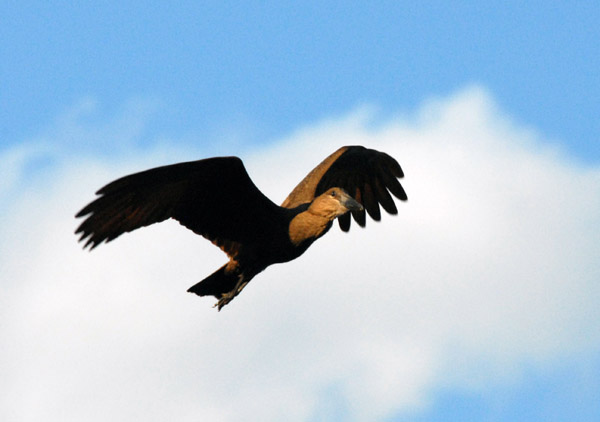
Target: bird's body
(216, 198)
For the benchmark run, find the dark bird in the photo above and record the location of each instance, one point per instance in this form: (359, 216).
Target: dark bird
(216, 198)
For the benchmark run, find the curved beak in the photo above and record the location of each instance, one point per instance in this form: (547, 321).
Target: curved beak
(352, 204)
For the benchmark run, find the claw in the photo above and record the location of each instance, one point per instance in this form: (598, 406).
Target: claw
(228, 297)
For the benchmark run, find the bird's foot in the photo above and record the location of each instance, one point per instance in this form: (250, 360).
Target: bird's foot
(228, 297)
(224, 300)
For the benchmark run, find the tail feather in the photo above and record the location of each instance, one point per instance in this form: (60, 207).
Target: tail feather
(216, 284)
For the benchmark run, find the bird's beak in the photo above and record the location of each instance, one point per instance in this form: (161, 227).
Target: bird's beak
(352, 204)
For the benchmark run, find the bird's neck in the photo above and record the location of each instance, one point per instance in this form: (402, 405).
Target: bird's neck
(308, 226)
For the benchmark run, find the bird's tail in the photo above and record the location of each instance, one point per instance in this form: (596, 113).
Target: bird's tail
(216, 284)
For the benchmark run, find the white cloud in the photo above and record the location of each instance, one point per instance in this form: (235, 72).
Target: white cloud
(492, 264)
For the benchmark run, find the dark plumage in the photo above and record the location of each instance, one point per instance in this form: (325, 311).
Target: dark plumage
(217, 199)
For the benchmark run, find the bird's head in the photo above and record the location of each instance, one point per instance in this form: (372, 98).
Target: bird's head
(333, 203)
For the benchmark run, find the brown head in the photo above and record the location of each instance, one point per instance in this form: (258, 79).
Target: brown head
(333, 203)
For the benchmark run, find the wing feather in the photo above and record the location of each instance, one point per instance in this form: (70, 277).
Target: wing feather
(214, 198)
(366, 174)
(384, 198)
(371, 204)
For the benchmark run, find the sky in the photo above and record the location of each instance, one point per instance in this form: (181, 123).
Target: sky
(478, 301)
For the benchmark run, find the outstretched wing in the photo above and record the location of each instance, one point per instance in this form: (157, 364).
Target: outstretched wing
(214, 197)
(368, 175)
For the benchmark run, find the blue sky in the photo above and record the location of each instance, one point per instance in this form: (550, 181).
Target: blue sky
(491, 108)
(270, 67)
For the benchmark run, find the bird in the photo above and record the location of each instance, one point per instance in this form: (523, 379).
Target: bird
(217, 199)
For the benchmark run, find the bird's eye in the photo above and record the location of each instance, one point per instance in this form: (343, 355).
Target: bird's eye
(332, 193)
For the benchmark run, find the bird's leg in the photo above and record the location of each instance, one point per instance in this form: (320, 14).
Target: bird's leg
(228, 297)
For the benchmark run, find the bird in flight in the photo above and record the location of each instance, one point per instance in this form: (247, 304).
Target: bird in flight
(216, 199)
